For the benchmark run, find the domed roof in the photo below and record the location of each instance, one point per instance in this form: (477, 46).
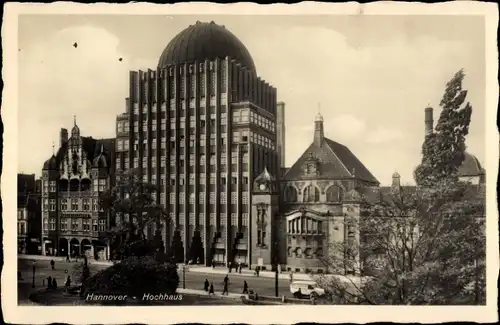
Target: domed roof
(50, 164)
(470, 166)
(396, 175)
(205, 41)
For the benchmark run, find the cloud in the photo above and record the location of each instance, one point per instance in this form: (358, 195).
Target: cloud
(58, 80)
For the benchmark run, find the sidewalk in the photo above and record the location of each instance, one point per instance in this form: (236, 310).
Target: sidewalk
(62, 259)
(204, 293)
(246, 273)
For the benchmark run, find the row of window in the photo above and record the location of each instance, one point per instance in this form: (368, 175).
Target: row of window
(71, 205)
(212, 219)
(304, 226)
(74, 224)
(311, 193)
(262, 141)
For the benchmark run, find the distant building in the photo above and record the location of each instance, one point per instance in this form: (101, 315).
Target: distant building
(73, 180)
(281, 132)
(28, 214)
(202, 126)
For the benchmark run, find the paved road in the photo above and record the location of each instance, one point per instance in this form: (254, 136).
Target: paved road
(263, 286)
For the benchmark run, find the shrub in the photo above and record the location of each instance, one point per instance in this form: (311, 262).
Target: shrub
(135, 276)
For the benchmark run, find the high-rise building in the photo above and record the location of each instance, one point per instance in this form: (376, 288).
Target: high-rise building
(202, 126)
(73, 181)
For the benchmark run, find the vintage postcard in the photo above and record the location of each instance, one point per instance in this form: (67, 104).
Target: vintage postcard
(327, 162)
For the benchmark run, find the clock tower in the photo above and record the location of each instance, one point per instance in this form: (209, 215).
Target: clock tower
(265, 204)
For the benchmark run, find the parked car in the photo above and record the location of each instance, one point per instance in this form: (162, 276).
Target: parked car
(306, 289)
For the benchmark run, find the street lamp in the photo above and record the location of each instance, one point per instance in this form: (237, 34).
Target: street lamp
(184, 276)
(33, 283)
(276, 269)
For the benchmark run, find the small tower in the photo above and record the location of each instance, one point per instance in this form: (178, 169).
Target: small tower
(265, 201)
(319, 132)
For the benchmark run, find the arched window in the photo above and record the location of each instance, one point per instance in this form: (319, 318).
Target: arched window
(334, 194)
(290, 194)
(311, 194)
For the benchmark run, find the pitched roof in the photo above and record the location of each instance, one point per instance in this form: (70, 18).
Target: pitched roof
(93, 148)
(335, 161)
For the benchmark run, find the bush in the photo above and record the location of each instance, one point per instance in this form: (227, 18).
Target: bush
(135, 276)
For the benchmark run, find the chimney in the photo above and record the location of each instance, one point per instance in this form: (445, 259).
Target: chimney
(280, 132)
(396, 180)
(429, 121)
(63, 137)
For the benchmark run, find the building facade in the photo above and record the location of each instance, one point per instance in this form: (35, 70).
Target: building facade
(73, 180)
(28, 214)
(202, 126)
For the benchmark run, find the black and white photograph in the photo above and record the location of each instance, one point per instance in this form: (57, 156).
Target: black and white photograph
(301, 157)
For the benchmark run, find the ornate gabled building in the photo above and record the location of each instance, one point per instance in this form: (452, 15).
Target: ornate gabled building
(316, 195)
(73, 180)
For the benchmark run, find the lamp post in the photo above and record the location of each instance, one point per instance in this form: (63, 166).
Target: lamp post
(184, 276)
(276, 269)
(33, 283)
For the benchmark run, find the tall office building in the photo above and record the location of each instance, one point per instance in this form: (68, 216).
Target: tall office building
(202, 126)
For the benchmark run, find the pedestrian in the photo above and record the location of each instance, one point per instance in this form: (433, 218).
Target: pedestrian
(240, 267)
(213, 264)
(226, 279)
(211, 291)
(49, 282)
(68, 282)
(229, 266)
(54, 283)
(257, 270)
(291, 276)
(52, 263)
(206, 285)
(225, 291)
(67, 258)
(245, 287)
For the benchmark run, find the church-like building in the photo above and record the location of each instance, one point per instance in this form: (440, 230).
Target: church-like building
(297, 217)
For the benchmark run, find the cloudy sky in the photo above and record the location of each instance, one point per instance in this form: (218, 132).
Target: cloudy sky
(372, 76)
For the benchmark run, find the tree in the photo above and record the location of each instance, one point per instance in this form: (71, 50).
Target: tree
(417, 246)
(131, 200)
(443, 151)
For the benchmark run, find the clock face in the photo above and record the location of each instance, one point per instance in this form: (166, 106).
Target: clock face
(262, 187)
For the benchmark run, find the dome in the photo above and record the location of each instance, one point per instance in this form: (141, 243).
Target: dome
(396, 175)
(50, 164)
(205, 41)
(470, 166)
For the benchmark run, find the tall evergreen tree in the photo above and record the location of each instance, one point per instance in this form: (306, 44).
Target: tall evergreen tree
(443, 151)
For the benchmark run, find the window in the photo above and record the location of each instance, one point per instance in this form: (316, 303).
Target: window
(64, 204)
(102, 225)
(334, 194)
(46, 204)
(86, 205)
(52, 223)
(52, 186)
(74, 204)
(290, 194)
(86, 225)
(311, 194)
(52, 205)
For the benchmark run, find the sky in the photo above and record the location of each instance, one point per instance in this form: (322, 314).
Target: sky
(370, 77)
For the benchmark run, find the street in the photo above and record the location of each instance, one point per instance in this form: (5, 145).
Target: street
(194, 280)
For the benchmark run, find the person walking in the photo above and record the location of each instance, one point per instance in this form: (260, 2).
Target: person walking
(206, 285)
(211, 291)
(245, 287)
(54, 283)
(226, 285)
(68, 283)
(49, 282)
(52, 263)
